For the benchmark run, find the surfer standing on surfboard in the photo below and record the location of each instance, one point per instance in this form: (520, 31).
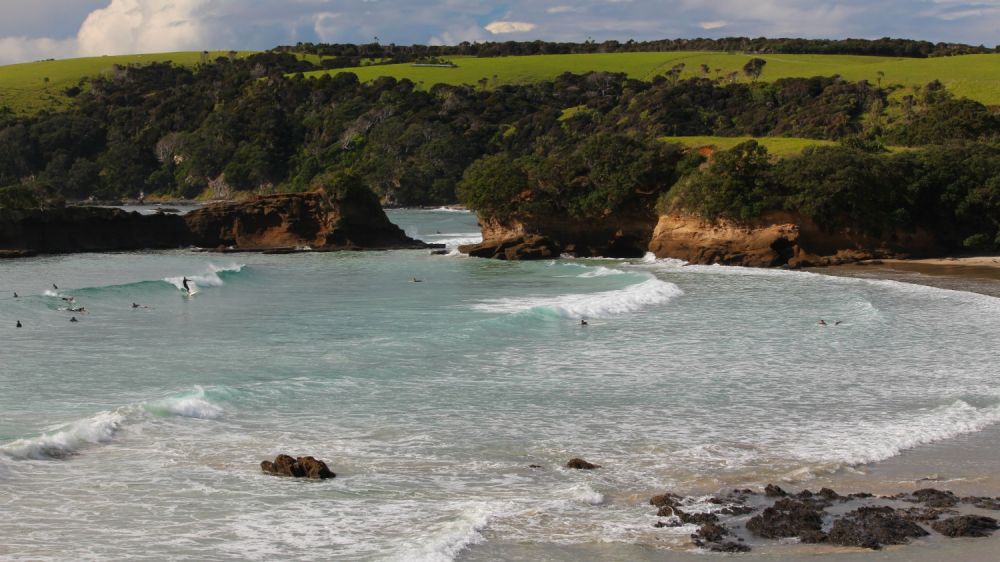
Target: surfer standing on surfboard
(186, 288)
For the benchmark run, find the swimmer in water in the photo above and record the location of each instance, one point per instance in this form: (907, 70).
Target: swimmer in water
(186, 287)
(73, 319)
(15, 294)
(19, 324)
(583, 323)
(134, 305)
(822, 322)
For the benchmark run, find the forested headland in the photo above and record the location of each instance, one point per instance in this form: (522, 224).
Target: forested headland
(581, 146)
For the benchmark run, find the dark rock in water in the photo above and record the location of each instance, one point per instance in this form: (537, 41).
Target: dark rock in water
(919, 514)
(439, 252)
(786, 518)
(935, 498)
(813, 537)
(829, 495)
(966, 526)
(534, 466)
(667, 499)
(696, 518)
(528, 247)
(580, 464)
(711, 532)
(773, 491)
(992, 504)
(302, 467)
(872, 527)
(662, 524)
(729, 546)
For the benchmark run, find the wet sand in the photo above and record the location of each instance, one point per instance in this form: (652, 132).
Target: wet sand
(974, 274)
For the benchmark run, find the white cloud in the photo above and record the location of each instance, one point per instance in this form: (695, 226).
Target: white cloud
(145, 26)
(24, 49)
(499, 27)
(325, 26)
(562, 10)
(715, 24)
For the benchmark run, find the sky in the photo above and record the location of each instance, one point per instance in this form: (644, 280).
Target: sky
(39, 29)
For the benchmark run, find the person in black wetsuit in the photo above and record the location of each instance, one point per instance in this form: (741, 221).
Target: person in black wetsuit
(18, 323)
(186, 287)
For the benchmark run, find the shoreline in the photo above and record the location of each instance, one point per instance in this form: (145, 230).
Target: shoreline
(979, 274)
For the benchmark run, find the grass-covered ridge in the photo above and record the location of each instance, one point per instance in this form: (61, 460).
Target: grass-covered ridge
(974, 76)
(35, 86)
(776, 146)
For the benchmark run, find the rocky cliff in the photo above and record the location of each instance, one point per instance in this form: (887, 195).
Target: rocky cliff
(315, 219)
(87, 229)
(536, 238)
(777, 240)
(353, 220)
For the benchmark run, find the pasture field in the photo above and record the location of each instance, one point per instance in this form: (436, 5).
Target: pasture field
(779, 147)
(973, 76)
(23, 87)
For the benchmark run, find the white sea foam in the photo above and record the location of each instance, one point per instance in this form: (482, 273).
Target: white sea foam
(210, 278)
(590, 305)
(584, 493)
(453, 537)
(189, 406)
(99, 428)
(865, 442)
(68, 439)
(601, 271)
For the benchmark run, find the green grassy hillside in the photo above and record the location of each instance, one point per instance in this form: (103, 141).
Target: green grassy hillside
(973, 76)
(24, 88)
(776, 146)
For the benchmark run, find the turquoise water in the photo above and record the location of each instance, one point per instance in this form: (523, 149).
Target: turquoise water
(137, 433)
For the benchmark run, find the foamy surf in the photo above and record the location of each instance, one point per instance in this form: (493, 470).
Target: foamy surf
(452, 537)
(590, 305)
(210, 278)
(69, 439)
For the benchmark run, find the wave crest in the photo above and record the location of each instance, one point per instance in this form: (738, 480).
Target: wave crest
(590, 305)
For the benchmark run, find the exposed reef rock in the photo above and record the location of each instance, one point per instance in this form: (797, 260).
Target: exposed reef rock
(776, 240)
(353, 220)
(302, 467)
(580, 464)
(857, 520)
(537, 238)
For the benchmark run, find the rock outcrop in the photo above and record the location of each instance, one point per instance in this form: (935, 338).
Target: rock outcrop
(537, 238)
(350, 221)
(777, 240)
(87, 229)
(315, 219)
(301, 467)
(580, 464)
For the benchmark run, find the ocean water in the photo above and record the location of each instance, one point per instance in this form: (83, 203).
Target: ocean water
(137, 432)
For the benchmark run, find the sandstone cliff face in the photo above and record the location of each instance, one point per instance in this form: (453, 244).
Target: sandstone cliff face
(353, 221)
(535, 238)
(293, 220)
(777, 240)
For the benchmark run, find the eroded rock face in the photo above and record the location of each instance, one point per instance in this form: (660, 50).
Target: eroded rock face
(548, 238)
(351, 221)
(776, 240)
(315, 219)
(302, 467)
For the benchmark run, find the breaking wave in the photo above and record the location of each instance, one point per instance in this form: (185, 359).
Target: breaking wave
(589, 305)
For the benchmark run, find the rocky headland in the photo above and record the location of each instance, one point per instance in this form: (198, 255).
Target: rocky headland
(320, 220)
(773, 240)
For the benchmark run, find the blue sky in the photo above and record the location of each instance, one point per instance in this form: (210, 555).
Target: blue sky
(35, 29)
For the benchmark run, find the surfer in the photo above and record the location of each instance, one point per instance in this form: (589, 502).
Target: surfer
(822, 322)
(186, 287)
(415, 280)
(15, 294)
(55, 287)
(68, 299)
(73, 319)
(838, 322)
(583, 322)
(18, 323)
